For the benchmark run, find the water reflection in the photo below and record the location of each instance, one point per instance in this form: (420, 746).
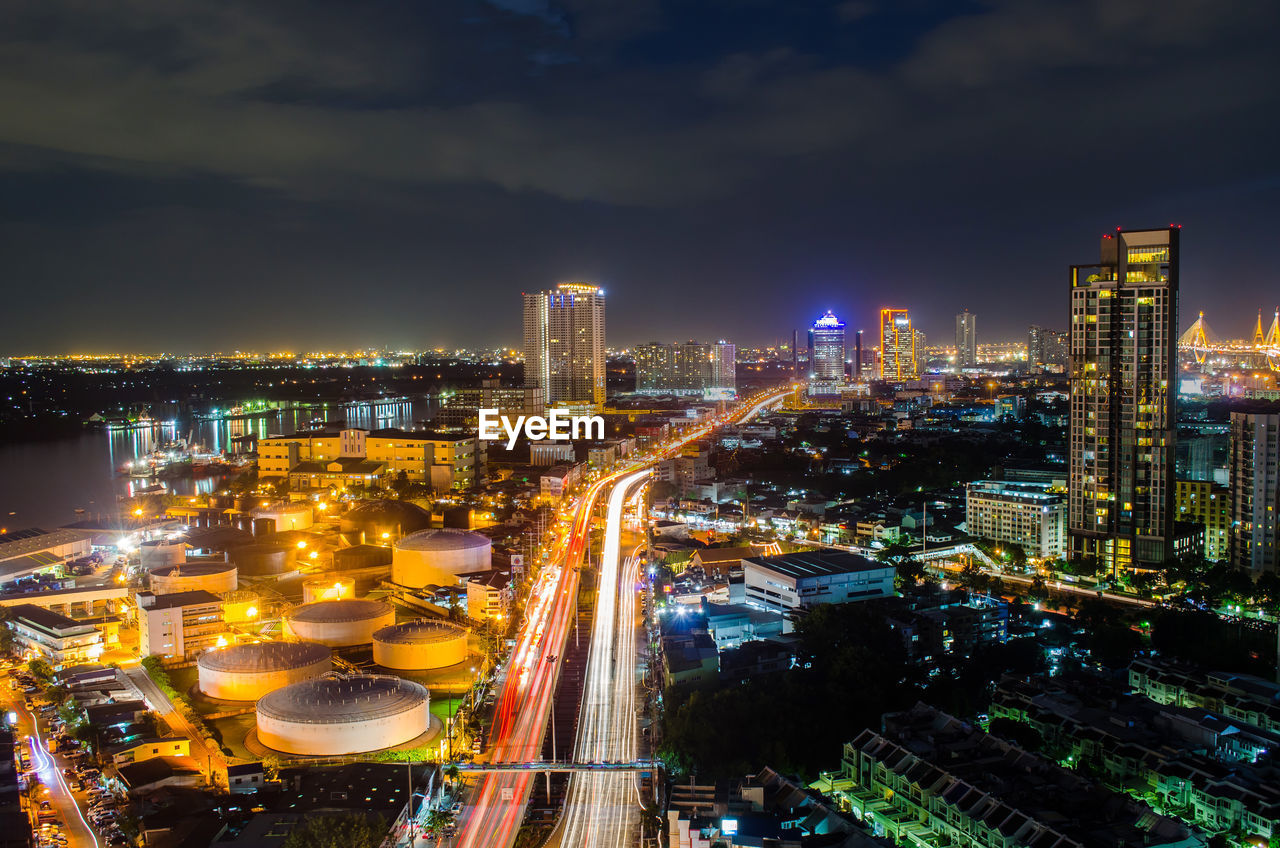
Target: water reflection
(43, 483)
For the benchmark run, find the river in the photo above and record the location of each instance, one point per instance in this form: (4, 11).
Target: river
(42, 484)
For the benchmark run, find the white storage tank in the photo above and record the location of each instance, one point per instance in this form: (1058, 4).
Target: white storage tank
(437, 557)
(422, 644)
(331, 588)
(155, 553)
(216, 577)
(337, 714)
(287, 516)
(247, 672)
(339, 624)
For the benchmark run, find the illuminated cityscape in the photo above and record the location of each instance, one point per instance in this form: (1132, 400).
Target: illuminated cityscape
(335, 511)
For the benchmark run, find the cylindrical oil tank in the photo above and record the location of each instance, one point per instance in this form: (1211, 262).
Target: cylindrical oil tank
(222, 501)
(361, 556)
(420, 644)
(371, 519)
(219, 578)
(337, 714)
(247, 672)
(438, 557)
(287, 516)
(263, 526)
(339, 624)
(262, 560)
(331, 588)
(244, 503)
(157, 552)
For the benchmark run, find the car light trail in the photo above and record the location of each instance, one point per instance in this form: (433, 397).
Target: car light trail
(524, 702)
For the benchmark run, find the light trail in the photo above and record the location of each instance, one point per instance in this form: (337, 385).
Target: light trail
(524, 705)
(601, 809)
(46, 763)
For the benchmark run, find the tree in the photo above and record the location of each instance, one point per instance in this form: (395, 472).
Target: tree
(350, 830)
(40, 669)
(900, 555)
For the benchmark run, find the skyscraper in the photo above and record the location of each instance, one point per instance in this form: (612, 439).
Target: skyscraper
(564, 353)
(826, 354)
(686, 368)
(1046, 347)
(966, 340)
(857, 356)
(1255, 491)
(1123, 376)
(897, 346)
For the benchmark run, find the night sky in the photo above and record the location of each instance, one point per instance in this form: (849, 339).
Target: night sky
(185, 175)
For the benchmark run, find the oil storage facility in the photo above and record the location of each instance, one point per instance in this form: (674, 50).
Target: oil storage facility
(247, 672)
(437, 557)
(339, 624)
(338, 714)
(421, 644)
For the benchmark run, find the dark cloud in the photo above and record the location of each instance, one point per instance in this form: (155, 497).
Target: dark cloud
(821, 150)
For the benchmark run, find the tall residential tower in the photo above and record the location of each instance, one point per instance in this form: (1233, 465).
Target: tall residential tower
(564, 353)
(1123, 374)
(966, 340)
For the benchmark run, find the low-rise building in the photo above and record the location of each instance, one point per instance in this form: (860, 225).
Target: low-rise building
(489, 594)
(689, 658)
(555, 482)
(335, 458)
(59, 640)
(181, 624)
(140, 750)
(1025, 514)
(807, 578)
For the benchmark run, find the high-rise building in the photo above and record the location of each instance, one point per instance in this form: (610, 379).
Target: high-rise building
(1255, 491)
(857, 356)
(966, 340)
(897, 346)
(564, 353)
(686, 368)
(1046, 347)
(1123, 378)
(1207, 505)
(826, 355)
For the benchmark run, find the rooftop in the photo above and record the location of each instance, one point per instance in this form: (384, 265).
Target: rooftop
(818, 563)
(196, 597)
(47, 619)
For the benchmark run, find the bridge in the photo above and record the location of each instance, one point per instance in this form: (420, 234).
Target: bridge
(1263, 350)
(558, 766)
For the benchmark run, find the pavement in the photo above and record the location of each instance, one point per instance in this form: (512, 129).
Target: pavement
(206, 755)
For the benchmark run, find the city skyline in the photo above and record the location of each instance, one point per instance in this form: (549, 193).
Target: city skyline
(655, 150)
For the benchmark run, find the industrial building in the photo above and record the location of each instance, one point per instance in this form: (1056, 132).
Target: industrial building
(59, 640)
(24, 552)
(1029, 515)
(179, 625)
(214, 577)
(807, 578)
(437, 557)
(355, 456)
(337, 714)
(247, 672)
(338, 624)
(422, 644)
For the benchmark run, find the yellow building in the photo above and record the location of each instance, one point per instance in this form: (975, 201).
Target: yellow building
(1209, 505)
(898, 354)
(337, 458)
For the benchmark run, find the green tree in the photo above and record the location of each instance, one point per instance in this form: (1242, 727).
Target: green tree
(40, 669)
(901, 556)
(349, 830)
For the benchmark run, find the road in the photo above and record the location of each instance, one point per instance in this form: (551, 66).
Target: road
(206, 755)
(602, 806)
(520, 715)
(49, 768)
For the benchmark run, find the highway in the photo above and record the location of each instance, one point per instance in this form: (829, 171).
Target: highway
(524, 702)
(602, 806)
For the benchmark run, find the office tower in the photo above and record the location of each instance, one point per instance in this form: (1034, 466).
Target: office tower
(857, 355)
(1255, 491)
(686, 368)
(897, 346)
(1123, 377)
(795, 355)
(564, 344)
(966, 340)
(826, 355)
(922, 351)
